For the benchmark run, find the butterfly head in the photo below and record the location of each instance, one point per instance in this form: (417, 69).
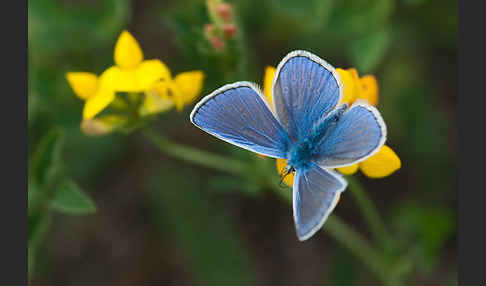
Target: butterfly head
(300, 154)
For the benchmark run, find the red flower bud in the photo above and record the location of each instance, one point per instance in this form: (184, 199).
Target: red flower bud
(217, 43)
(229, 30)
(225, 11)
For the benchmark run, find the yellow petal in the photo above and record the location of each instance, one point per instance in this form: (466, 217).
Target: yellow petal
(175, 94)
(154, 103)
(348, 170)
(139, 79)
(101, 99)
(382, 164)
(369, 89)
(267, 83)
(123, 80)
(128, 53)
(190, 85)
(169, 90)
(281, 165)
(350, 80)
(84, 84)
(149, 72)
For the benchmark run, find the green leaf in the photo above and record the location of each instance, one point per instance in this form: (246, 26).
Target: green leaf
(70, 199)
(368, 51)
(46, 160)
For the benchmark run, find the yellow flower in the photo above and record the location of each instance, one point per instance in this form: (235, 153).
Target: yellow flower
(352, 85)
(130, 74)
(167, 93)
(281, 166)
(96, 92)
(267, 84)
(380, 165)
(358, 88)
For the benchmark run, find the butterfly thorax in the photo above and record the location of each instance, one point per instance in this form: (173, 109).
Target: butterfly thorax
(302, 151)
(300, 154)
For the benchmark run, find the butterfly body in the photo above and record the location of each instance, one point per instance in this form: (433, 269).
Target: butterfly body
(301, 152)
(305, 126)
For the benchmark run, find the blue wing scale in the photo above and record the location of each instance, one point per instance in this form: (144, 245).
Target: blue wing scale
(316, 192)
(359, 134)
(305, 89)
(236, 113)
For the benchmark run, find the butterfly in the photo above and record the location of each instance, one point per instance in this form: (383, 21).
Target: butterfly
(305, 126)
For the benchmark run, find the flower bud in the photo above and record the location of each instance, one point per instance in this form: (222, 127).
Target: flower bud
(217, 43)
(229, 30)
(94, 127)
(101, 125)
(225, 11)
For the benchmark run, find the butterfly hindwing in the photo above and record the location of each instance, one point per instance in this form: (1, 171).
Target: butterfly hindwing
(305, 89)
(236, 113)
(359, 134)
(316, 192)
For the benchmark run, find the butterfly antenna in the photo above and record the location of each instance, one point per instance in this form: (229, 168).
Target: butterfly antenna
(284, 173)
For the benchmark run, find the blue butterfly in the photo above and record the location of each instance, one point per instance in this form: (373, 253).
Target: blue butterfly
(305, 126)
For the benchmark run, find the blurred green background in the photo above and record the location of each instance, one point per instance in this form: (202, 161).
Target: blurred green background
(161, 221)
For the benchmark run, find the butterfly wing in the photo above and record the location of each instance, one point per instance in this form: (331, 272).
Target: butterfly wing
(236, 113)
(359, 134)
(305, 89)
(316, 192)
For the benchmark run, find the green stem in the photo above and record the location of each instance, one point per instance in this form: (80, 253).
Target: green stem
(371, 215)
(337, 228)
(352, 240)
(195, 156)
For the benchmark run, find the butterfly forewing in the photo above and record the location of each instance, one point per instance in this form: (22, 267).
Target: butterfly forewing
(236, 113)
(305, 89)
